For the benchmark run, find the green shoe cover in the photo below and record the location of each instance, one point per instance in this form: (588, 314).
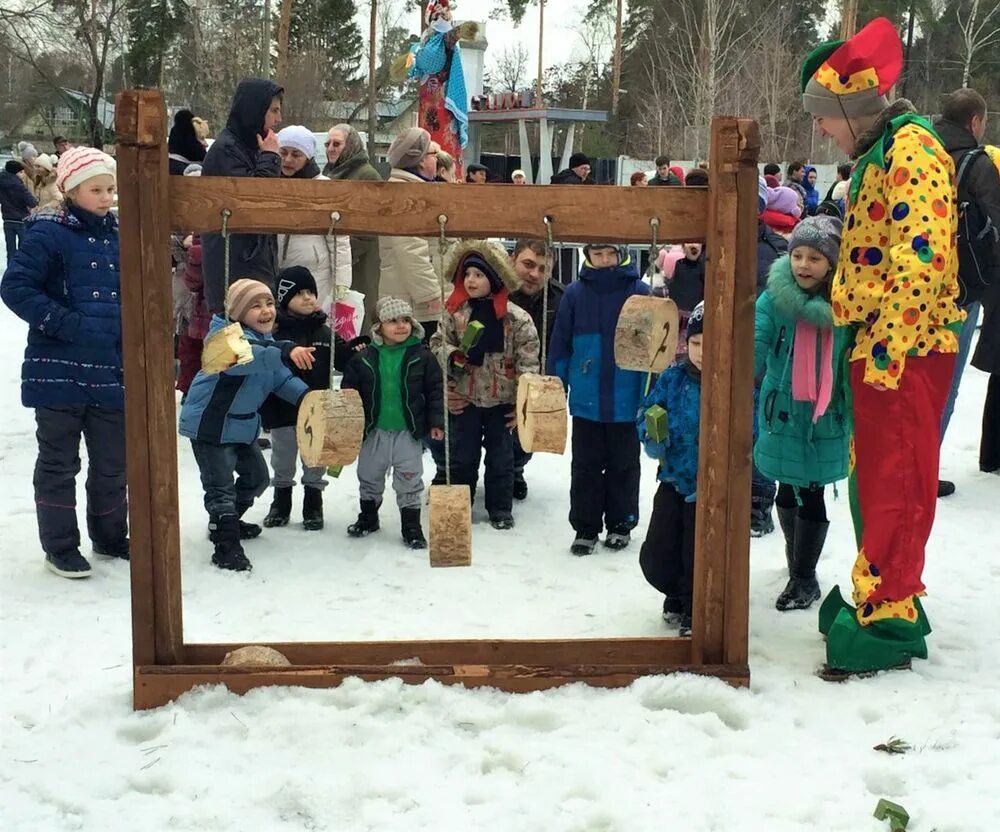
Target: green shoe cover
(881, 645)
(834, 603)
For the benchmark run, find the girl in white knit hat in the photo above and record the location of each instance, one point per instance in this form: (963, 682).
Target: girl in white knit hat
(64, 281)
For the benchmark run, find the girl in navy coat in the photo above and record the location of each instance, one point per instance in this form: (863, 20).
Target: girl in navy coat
(220, 417)
(64, 282)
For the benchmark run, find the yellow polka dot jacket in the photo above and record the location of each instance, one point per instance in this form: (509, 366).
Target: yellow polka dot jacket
(897, 280)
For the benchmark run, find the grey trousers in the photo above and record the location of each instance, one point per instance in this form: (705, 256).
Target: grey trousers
(385, 449)
(285, 458)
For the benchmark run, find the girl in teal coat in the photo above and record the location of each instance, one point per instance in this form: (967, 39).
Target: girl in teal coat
(803, 440)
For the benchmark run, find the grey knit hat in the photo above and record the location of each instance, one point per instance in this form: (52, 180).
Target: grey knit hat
(409, 147)
(389, 309)
(821, 233)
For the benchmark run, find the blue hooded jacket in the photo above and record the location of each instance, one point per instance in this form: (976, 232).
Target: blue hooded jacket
(582, 348)
(678, 391)
(64, 281)
(222, 408)
(812, 195)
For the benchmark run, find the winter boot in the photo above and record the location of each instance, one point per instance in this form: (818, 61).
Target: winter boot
(69, 564)
(502, 520)
(584, 544)
(413, 535)
(810, 535)
(887, 644)
(367, 521)
(312, 509)
(673, 608)
(281, 508)
(228, 549)
(118, 550)
(520, 487)
(786, 519)
(684, 625)
(761, 522)
(617, 538)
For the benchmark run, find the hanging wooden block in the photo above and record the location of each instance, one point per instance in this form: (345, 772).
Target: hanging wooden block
(450, 513)
(646, 335)
(255, 654)
(541, 414)
(331, 427)
(224, 348)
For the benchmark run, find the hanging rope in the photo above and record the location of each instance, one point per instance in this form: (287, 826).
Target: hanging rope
(332, 232)
(442, 244)
(654, 250)
(545, 294)
(226, 214)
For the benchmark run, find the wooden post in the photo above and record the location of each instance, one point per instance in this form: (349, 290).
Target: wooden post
(722, 534)
(147, 342)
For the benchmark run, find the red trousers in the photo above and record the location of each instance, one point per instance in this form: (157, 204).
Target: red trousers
(897, 454)
(189, 358)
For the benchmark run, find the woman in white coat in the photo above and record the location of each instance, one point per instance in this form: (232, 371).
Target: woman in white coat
(328, 257)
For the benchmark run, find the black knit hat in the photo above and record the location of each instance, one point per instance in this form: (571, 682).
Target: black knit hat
(696, 323)
(578, 159)
(496, 283)
(291, 281)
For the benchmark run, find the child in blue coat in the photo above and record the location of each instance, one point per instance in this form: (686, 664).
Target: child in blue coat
(603, 399)
(64, 281)
(802, 413)
(667, 554)
(220, 417)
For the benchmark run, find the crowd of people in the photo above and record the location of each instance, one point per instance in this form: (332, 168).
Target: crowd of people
(868, 300)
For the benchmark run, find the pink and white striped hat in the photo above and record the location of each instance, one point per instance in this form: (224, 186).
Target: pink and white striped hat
(78, 165)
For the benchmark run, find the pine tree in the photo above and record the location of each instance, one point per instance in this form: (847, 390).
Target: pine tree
(153, 27)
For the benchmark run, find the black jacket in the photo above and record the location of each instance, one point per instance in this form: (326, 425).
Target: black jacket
(671, 180)
(304, 332)
(236, 153)
(987, 354)
(687, 288)
(532, 304)
(982, 183)
(569, 177)
(16, 201)
(770, 247)
(423, 388)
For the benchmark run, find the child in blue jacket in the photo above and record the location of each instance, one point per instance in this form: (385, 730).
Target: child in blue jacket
(667, 554)
(220, 417)
(64, 281)
(603, 399)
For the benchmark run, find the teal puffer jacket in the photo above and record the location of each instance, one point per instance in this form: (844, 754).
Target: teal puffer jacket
(790, 448)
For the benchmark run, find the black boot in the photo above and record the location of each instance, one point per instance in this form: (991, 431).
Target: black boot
(248, 531)
(413, 535)
(312, 509)
(118, 550)
(761, 522)
(787, 518)
(810, 536)
(228, 549)
(520, 487)
(367, 521)
(281, 508)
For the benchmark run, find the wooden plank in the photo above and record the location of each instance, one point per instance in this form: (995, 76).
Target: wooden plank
(552, 652)
(715, 464)
(606, 213)
(140, 495)
(156, 686)
(737, 602)
(153, 437)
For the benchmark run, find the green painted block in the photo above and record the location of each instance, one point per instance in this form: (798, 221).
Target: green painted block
(897, 816)
(473, 332)
(334, 470)
(656, 423)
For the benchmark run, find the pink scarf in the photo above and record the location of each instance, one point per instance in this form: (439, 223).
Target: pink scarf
(804, 374)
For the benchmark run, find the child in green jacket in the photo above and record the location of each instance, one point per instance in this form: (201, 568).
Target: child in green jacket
(803, 439)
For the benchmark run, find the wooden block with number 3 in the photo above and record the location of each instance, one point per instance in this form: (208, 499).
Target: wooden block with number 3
(450, 524)
(331, 427)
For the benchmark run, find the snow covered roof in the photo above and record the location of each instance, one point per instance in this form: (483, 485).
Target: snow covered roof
(105, 109)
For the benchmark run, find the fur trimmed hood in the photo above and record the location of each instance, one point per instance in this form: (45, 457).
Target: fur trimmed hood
(791, 301)
(496, 256)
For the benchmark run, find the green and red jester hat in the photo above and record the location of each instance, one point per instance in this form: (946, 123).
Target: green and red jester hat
(851, 79)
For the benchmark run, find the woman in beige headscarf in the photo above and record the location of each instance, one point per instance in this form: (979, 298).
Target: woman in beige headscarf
(46, 191)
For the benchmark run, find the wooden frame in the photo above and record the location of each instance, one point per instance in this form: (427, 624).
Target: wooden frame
(725, 215)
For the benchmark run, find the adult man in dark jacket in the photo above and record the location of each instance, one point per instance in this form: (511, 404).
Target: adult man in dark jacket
(16, 202)
(578, 172)
(247, 147)
(533, 265)
(961, 127)
(663, 174)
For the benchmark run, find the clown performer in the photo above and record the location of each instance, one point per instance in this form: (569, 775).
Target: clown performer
(895, 292)
(435, 61)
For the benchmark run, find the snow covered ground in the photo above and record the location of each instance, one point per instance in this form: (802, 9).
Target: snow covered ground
(678, 753)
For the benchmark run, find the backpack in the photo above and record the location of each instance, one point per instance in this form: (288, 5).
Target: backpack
(978, 238)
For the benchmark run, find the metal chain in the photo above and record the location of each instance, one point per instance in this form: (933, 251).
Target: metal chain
(226, 214)
(442, 245)
(332, 232)
(545, 294)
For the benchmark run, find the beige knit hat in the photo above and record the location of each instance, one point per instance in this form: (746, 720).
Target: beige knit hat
(242, 294)
(409, 147)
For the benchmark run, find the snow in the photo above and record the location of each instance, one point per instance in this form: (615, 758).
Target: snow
(679, 752)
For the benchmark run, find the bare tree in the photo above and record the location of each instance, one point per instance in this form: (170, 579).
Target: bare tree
(616, 73)
(284, 26)
(596, 35)
(510, 66)
(979, 31)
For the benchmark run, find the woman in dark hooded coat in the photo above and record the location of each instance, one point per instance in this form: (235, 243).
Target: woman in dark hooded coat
(183, 144)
